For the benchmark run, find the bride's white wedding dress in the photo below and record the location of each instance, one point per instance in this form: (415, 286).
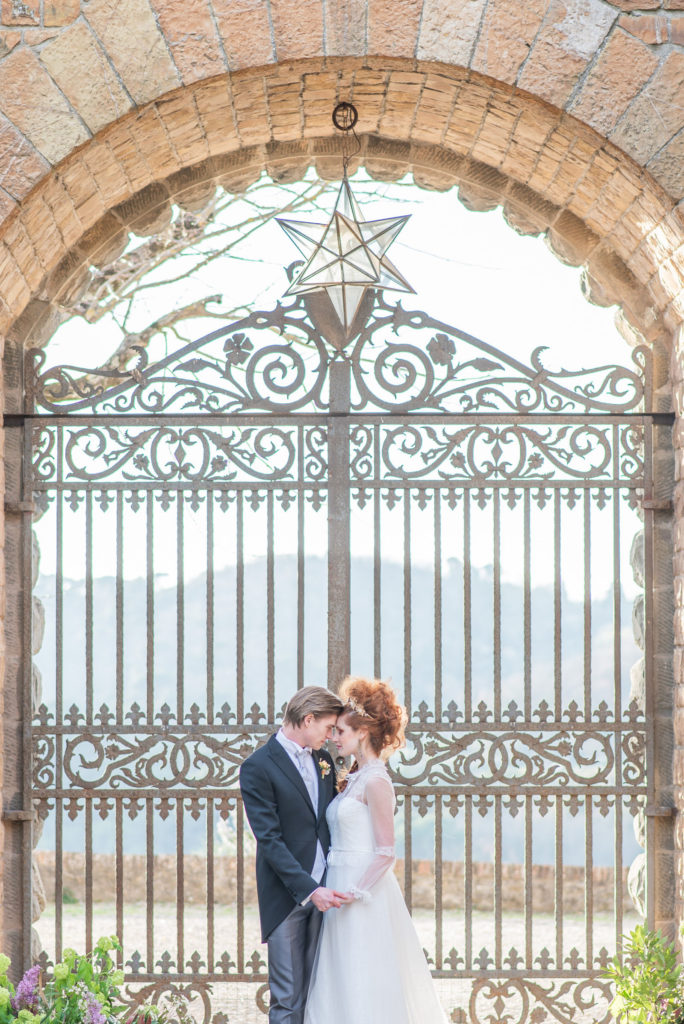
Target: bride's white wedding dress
(369, 967)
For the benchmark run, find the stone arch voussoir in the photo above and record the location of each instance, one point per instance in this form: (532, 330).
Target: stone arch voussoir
(552, 175)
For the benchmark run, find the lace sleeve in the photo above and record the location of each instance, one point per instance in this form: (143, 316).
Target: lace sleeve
(380, 799)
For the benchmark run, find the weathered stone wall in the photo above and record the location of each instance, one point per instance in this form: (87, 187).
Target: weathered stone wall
(423, 882)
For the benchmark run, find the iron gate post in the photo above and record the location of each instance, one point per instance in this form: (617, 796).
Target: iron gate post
(339, 566)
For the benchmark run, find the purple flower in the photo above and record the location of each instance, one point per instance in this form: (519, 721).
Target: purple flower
(27, 996)
(93, 1010)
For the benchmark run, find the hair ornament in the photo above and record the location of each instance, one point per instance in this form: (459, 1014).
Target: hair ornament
(357, 708)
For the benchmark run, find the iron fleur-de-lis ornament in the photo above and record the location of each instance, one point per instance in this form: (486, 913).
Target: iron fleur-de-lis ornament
(347, 255)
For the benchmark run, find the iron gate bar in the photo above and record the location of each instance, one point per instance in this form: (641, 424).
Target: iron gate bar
(340, 478)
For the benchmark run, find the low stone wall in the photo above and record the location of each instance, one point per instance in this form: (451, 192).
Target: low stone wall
(423, 882)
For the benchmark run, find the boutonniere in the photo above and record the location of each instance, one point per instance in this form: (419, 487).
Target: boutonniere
(324, 767)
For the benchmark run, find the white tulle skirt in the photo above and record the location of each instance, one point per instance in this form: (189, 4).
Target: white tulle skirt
(370, 967)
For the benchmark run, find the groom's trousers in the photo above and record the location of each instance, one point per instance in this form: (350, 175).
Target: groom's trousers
(291, 952)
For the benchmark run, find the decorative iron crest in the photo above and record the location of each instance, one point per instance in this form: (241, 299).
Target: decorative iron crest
(279, 361)
(196, 758)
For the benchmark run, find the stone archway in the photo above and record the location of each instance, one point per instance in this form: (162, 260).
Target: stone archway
(552, 174)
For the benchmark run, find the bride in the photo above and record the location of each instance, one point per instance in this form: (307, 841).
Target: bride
(369, 963)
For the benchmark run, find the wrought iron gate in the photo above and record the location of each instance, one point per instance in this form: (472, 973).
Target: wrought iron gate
(449, 499)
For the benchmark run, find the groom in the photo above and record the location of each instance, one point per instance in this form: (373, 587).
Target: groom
(286, 787)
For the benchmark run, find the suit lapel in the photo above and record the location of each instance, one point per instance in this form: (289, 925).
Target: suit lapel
(282, 759)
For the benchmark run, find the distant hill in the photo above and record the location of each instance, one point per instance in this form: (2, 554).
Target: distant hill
(193, 662)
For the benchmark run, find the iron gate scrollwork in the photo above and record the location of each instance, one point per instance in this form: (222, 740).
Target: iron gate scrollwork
(411, 434)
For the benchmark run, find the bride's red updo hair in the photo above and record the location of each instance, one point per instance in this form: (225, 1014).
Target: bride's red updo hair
(372, 704)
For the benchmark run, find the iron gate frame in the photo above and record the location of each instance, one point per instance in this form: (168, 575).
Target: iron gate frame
(50, 392)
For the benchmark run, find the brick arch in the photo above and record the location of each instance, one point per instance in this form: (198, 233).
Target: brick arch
(86, 63)
(552, 174)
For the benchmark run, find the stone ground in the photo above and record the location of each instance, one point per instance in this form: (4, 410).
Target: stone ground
(237, 1002)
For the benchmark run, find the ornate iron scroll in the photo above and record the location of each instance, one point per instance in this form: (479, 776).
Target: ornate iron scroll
(278, 362)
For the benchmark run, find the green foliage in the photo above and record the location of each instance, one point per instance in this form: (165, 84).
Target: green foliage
(648, 981)
(81, 990)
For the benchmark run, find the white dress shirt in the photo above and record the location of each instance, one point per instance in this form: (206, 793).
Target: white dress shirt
(302, 759)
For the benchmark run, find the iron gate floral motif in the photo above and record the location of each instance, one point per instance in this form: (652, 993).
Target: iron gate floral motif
(279, 412)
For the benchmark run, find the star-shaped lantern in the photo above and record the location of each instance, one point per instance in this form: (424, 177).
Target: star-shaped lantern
(346, 256)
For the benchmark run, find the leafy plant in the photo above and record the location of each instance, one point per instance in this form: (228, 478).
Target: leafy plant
(82, 990)
(648, 981)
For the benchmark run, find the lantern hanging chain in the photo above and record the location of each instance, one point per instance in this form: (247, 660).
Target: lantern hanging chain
(344, 117)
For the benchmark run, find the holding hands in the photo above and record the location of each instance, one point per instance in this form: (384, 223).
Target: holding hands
(326, 899)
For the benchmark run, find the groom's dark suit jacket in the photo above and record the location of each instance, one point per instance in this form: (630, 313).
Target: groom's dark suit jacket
(286, 828)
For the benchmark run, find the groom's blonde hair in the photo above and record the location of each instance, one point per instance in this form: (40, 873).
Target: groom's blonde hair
(312, 700)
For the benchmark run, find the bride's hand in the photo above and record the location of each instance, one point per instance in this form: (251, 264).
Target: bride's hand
(324, 898)
(346, 897)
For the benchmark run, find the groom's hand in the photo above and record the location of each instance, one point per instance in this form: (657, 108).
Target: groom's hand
(325, 899)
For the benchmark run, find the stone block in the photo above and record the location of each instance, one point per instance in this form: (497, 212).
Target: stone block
(178, 115)
(155, 146)
(652, 29)
(245, 32)
(572, 32)
(43, 231)
(622, 69)
(125, 153)
(434, 108)
(507, 34)
(449, 30)
(78, 64)
(60, 12)
(106, 172)
(393, 26)
(22, 75)
(8, 40)
(345, 28)
(18, 241)
(214, 107)
(82, 189)
(252, 115)
(297, 28)
(654, 116)
(667, 166)
(55, 196)
(191, 36)
(21, 166)
(467, 116)
(25, 13)
(146, 69)
(497, 127)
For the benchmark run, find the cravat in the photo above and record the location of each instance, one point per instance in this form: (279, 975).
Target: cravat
(306, 770)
